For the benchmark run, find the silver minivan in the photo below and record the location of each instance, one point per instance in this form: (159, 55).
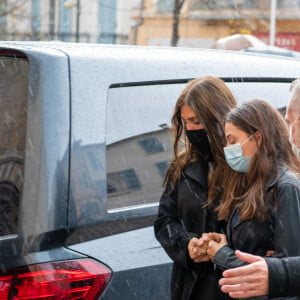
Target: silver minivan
(85, 143)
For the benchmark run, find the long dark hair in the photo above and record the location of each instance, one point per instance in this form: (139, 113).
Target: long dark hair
(210, 99)
(274, 151)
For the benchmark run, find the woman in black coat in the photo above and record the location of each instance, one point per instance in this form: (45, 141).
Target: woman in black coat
(196, 173)
(263, 211)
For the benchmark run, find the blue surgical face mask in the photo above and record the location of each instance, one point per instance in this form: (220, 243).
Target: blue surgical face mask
(235, 158)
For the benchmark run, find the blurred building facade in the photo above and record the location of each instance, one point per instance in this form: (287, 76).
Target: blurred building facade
(202, 22)
(148, 22)
(92, 21)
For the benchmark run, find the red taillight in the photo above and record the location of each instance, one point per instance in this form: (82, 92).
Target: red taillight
(82, 279)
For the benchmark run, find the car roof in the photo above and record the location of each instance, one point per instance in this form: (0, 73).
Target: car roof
(210, 60)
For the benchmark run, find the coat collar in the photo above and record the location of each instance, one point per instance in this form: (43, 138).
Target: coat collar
(198, 171)
(275, 177)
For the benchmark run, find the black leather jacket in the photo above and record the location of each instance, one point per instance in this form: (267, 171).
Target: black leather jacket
(181, 217)
(280, 232)
(284, 276)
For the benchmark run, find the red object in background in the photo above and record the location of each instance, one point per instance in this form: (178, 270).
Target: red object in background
(289, 41)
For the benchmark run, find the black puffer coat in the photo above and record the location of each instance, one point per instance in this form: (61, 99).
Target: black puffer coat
(181, 217)
(280, 232)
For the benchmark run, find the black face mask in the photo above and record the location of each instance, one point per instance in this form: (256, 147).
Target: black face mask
(198, 138)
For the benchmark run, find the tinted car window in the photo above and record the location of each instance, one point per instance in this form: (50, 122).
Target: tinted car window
(13, 104)
(139, 144)
(276, 93)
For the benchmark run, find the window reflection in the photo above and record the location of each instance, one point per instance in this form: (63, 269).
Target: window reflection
(13, 108)
(151, 145)
(162, 167)
(135, 169)
(139, 144)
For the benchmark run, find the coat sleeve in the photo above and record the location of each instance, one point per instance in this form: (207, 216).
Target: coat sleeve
(284, 276)
(226, 259)
(170, 232)
(287, 220)
(284, 272)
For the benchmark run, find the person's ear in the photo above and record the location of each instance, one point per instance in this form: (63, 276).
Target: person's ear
(258, 138)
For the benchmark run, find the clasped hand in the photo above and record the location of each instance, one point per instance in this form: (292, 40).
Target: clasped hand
(204, 248)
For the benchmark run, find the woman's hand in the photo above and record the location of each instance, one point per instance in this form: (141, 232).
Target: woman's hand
(215, 242)
(197, 250)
